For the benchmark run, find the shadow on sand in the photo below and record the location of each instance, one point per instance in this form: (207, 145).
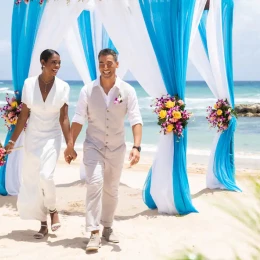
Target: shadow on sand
(206, 191)
(77, 242)
(8, 201)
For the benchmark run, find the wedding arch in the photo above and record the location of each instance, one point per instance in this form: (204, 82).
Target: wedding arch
(159, 36)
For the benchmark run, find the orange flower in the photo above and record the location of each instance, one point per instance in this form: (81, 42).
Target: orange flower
(169, 128)
(176, 114)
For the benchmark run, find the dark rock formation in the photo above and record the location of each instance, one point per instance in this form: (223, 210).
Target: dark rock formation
(249, 110)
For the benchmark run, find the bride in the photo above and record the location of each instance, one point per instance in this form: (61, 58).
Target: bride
(45, 106)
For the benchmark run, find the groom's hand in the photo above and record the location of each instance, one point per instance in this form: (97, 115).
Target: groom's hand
(69, 154)
(134, 157)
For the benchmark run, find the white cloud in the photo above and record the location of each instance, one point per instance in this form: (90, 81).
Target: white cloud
(246, 39)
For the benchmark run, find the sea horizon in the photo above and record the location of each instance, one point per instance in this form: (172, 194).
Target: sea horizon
(200, 136)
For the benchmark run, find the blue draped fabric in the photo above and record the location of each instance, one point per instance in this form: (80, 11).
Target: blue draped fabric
(147, 198)
(84, 24)
(3, 168)
(202, 30)
(169, 26)
(106, 41)
(25, 23)
(227, 27)
(85, 29)
(224, 166)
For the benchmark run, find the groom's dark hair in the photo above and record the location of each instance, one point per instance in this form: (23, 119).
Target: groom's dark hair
(106, 52)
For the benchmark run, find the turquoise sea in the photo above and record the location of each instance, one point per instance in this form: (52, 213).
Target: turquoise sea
(200, 136)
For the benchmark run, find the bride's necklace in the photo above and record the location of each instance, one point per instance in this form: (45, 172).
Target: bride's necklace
(46, 83)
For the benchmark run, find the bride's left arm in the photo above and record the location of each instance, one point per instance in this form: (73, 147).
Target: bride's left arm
(65, 122)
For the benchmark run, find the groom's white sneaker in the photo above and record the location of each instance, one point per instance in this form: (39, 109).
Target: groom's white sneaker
(94, 242)
(109, 235)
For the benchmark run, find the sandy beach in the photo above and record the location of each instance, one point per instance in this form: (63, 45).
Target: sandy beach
(144, 233)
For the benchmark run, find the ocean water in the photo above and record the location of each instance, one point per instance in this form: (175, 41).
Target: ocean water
(200, 136)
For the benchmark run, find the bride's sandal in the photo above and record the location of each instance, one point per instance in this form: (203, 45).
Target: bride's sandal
(56, 226)
(40, 235)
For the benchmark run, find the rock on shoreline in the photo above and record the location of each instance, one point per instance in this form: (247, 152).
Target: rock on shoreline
(248, 110)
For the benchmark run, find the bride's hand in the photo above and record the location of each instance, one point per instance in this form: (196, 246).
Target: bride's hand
(9, 148)
(69, 154)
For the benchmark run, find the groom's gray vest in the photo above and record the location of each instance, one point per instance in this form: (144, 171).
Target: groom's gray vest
(106, 124)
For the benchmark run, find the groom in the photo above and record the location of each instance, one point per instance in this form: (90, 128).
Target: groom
(104, 104)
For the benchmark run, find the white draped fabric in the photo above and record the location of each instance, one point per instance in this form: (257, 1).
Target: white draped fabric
(213, 71)
(131, 38)
(75, 49)
(98, 39)
(13, 178)
(54, 27)
(198, 10)
(52, 30)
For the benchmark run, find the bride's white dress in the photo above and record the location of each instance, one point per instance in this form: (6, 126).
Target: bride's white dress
(42, 145)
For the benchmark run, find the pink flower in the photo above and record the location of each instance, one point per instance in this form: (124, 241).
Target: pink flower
(181, 102)
(225, 127)
(118, 99)
(11, 114)
(174, 120)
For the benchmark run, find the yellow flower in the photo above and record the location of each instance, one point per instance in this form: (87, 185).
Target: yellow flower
(170, 104)
(219, 112)
(216, 106)
(176, 114)
(169, 128)
(14, 122)
(14, 104)
(163, 114)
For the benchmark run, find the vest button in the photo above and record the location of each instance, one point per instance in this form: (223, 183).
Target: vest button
(107, 110)
(107, 119)
(107, 126)
(106, 134)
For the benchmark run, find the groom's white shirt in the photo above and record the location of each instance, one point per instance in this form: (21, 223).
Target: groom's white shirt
(133, 111)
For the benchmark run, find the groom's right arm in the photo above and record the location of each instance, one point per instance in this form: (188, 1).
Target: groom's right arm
(78, 121)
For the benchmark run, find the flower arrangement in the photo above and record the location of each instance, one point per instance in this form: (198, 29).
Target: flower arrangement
(118, 99)
(2, 155)
(40, 1)
(172, 116)
(11, 111)
(27, 1)
(220, 114)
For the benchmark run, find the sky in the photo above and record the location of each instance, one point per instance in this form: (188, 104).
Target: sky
(246, 45)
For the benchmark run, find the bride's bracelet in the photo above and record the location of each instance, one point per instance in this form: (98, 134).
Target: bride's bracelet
(12, 142)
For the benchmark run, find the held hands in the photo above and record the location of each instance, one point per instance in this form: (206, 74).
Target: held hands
(70, 154)
(134, 157)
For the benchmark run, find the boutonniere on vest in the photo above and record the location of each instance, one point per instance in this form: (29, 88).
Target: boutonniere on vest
(118, 99)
